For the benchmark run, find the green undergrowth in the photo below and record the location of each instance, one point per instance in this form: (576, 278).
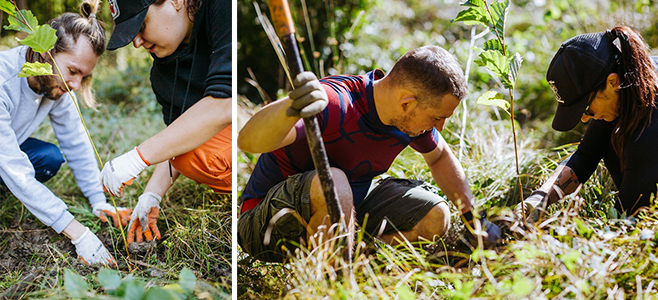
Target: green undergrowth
(582, 250)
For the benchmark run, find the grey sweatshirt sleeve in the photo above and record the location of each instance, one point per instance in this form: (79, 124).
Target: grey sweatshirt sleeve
(77, 148)
(18, 174)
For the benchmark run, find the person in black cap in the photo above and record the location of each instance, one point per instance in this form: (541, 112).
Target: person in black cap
(608, 77)
(190, 42)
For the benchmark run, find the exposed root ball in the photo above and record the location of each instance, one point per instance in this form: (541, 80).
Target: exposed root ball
(141, 248)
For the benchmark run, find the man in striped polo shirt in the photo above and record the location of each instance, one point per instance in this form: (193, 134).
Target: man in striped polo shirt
(365, 121)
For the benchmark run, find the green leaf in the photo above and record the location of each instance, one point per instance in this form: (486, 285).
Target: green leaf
(472, 16)
(156, 293)
(493, 98)
(522, 286)
(496, 62)
(75, 285)
(16, 24)
(42, 40)
(131, 289)
(8, 7)
(570, 259)
(109, 279)
(493, 44)
(473, 3)
(176, 290)
(514, 66)
(583, 229)
(404, 293)
(35, 69)
(187, 280)
(499, 11)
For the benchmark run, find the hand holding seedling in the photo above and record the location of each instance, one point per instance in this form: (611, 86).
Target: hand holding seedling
(532, 208)
(144, 218)
(104, 209)
(121, 171)
(92, 251)
(308, 97)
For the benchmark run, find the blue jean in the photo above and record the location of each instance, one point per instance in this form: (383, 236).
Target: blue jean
(46, 158)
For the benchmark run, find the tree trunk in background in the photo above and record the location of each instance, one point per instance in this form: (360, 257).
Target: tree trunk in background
(22, 4)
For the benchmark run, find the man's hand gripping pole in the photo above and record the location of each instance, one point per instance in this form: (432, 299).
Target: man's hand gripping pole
(285, 28)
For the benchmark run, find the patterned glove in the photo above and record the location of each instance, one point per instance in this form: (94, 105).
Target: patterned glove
(104, 209)
(144, 218)
(309, 97)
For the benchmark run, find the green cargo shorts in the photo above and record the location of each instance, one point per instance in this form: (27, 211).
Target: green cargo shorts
(401, 202)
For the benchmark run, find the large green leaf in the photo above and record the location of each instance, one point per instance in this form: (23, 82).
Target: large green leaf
(35, 69)
(109, 279)
(514, 66)
(131, 289)
(156, 293)
(187, 280)
(473, 3)
(8, 7)
(75, 285)
(493, 98)
(499, 11)
(496, 62)
(28, 26)
(472, 16)
(42, 40)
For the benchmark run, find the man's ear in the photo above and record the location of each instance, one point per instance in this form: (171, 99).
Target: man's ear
(407, 101)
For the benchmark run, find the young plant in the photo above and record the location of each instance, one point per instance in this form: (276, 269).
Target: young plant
(496, 57)
(129, 287)
(42, 39)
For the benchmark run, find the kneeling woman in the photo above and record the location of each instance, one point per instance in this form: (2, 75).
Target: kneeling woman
(608, 77)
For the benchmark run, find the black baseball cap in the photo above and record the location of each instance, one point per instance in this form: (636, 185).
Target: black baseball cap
(579, 66)
(128, 17)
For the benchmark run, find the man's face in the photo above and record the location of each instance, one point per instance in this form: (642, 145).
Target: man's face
(418, 120)
(75, 65)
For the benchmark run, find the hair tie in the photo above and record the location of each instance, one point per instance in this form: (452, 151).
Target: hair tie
(92, 16)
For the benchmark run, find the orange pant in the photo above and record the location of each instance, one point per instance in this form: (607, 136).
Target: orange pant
(210, 163)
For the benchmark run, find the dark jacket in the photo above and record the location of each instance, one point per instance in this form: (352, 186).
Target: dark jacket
(198, 69)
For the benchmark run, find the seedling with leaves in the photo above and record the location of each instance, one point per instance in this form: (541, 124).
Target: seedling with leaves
(495, 57)
(129, 287)
(42, 39)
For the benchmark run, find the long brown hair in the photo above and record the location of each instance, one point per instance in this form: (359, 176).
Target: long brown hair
(638, 90)
(69, 27)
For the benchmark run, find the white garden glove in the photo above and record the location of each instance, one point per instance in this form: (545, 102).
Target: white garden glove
(309, 97)
(104, 209)
(144, 218)
(121, 171)
(92, 251)
(534, 206)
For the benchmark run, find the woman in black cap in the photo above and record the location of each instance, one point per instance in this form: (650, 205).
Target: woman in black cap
(610, 78)
(190, 42)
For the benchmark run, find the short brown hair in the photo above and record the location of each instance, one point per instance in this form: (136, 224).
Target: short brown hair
(431, 72)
